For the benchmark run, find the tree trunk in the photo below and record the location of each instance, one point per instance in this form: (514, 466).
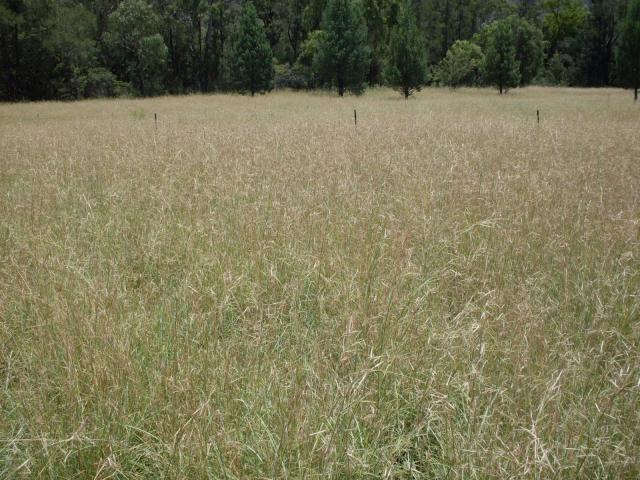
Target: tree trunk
(16, 63)
(5, 68)
(218, 47)
(635, 95)
(293, 43)
(500, 87)
(142, 92)
(175, 63)
(141, 79)
(405, 90)
(208, 48)
(196, 50)
(341, 87)
(201, 59)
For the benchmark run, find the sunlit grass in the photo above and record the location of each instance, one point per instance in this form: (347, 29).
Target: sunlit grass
(259, 288)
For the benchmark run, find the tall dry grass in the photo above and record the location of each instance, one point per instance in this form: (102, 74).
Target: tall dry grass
(258, 289)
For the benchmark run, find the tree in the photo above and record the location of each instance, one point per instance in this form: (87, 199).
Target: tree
(528, 41)
(312, 14)
(601, 33)
(251, 57)
(308, 51)
(294, 27)
(64, 49)
(43, 46)
(501, 63)
(343, 55)
(529, 9)
(211, 54)
(629, 48)
(195, 32)
(153, 58)
(137, 51)
(446, 21)
(561, 70)
(376, 15)
(462, 65)
(273, 14)
(529, 44)
(101, 9)
(562, 23)
(406, 64)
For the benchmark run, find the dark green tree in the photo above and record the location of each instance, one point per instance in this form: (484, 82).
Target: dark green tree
(529, 9)
(308, 52)
(628, 57)
(378, 14)
(561, 70)
(406, 64)
(70, 47)
(211, 53)
(528, 41)
(43, 47)
(295, 28)
(136, 49)
(274, 15)
(562, 23)
(251, 58)
(501, 65)
(312, 14)
(445, 21)
(195, 32)
(64, 49)
(101, 9)
(343, 56)
(598, 47)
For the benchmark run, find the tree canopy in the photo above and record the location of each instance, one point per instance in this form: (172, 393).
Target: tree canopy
(251, 57)
(342, 57)
(406, 63)
(629, 49)
(136, 51)
(501, 65)
(462, 65)
(54, 49)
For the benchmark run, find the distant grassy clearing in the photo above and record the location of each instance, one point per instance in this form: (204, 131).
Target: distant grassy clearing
(261, 289)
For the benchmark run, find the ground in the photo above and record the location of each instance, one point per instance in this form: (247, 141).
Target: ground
(258, 288)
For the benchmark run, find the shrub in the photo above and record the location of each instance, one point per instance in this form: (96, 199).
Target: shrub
(100, 82)
(289, 77)
(462, 65)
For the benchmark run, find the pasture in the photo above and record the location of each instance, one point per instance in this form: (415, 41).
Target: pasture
(258, 288)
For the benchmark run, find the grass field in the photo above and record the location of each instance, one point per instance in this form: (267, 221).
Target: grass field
(259, 289)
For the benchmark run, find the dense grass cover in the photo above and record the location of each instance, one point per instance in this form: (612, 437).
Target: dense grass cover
(260, 289)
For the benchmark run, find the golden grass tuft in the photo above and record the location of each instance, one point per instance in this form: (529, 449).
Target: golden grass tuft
(261, 289)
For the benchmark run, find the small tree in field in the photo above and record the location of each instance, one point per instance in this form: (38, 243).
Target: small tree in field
(406, 64)
(251, 57)
(629, 48)
(501, 65)
(342, 56)
(528, 42)
(462, 64)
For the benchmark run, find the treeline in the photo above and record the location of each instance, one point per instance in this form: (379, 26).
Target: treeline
(67, 49)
